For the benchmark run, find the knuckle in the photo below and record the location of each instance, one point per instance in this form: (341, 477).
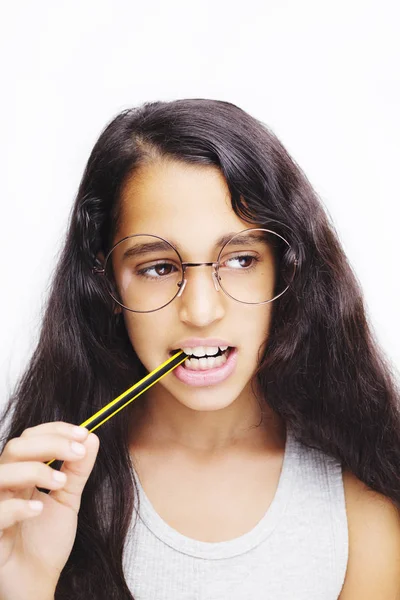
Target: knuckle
(11, 447)
(27, 432)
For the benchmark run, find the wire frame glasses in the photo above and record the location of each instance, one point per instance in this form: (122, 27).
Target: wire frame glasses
(145, 272)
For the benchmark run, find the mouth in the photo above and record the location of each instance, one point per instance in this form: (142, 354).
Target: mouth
(204, 358)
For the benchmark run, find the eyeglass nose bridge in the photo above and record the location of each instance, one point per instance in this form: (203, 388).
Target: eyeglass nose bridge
(215, 276)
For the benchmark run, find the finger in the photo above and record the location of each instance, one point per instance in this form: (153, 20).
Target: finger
(21, 475)
(15, 510)
(77, 475)
(41, 448)
(75, 432)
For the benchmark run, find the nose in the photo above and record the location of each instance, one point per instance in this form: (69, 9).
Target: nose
(200, 302)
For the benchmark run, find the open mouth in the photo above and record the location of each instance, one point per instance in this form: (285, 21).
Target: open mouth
(202, 359)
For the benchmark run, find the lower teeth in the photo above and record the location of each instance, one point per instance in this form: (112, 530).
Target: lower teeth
(202, 364)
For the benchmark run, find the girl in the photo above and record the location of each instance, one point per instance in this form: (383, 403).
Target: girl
(264, 467)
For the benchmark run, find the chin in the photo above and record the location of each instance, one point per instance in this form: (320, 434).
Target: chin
(209, 398)
(211, 403)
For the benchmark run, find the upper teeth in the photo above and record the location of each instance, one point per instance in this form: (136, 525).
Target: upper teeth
(203, 350)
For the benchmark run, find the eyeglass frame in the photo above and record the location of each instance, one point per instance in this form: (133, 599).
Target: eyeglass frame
(182, 284)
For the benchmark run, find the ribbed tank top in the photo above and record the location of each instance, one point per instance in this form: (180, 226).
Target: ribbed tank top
(297, 551)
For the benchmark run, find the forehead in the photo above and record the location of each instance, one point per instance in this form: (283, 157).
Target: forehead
(187, 203)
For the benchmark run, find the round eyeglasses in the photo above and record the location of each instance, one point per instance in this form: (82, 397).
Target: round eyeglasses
(145, 272)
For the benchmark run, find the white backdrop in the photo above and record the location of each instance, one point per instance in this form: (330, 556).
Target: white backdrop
(323, 75)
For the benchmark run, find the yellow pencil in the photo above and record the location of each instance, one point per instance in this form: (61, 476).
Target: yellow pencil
(132, 393)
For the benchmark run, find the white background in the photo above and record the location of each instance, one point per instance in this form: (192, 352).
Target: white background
(324, 75)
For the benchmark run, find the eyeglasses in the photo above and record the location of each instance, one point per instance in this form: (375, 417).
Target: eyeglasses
(145, 272)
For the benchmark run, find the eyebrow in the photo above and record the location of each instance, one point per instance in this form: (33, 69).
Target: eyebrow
(143, 248)
(160, 245)
(241, 240)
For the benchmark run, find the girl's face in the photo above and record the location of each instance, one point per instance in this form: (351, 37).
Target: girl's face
(190, 207)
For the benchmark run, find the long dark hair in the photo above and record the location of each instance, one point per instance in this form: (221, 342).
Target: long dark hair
(321, 370)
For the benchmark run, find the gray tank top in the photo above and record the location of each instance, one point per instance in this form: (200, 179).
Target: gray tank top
(297, 551)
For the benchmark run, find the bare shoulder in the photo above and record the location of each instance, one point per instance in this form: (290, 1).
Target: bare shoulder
(373, 570)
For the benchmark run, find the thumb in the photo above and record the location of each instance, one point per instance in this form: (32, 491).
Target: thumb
(77, 473)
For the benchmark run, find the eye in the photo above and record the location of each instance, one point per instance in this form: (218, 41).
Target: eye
(158, 270)
(243, 261)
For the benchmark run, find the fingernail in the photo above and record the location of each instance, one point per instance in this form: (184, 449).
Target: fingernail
(79, 433)
(78, 448)
(35, 505)
(59, 477)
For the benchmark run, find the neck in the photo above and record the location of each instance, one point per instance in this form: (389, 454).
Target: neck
(162, 421)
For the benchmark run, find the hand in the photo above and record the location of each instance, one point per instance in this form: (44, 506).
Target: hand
(37, 530)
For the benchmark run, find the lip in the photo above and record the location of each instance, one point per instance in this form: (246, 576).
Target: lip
(210, 376)
(194, 342)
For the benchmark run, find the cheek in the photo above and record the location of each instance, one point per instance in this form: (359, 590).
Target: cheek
(255, 326)
(137, 329)
(256, 320)
(145, 331)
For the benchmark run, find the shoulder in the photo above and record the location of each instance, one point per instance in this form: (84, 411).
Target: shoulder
(373, 569)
